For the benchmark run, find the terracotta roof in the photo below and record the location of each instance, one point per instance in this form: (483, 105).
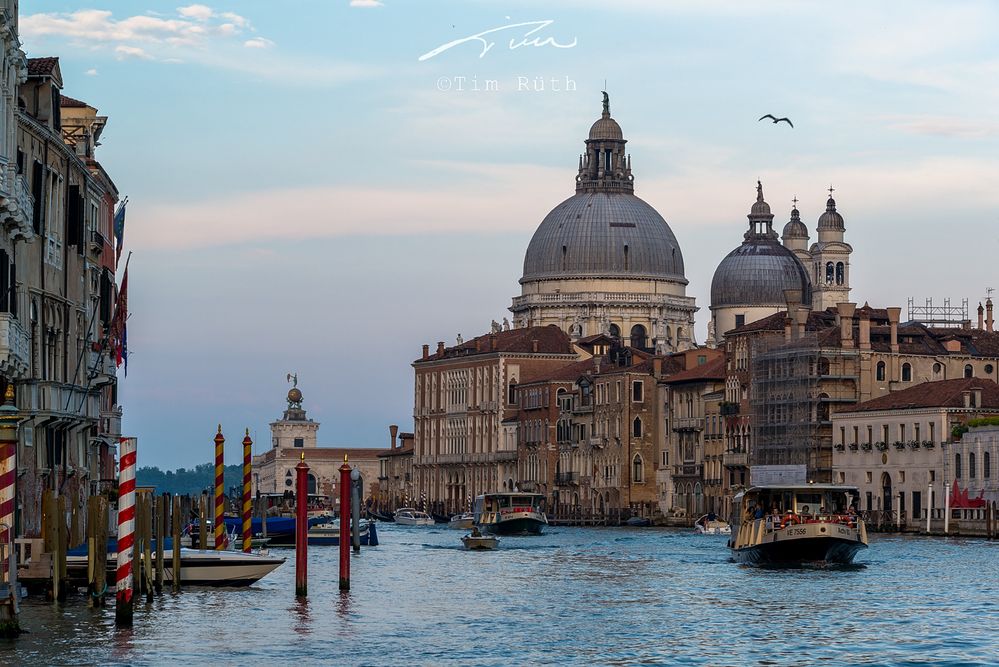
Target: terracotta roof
(939, 394)
(711, 370)
(42, 66)
(550, 339)
(66, 101)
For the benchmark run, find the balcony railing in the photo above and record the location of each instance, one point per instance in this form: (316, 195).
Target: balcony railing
(18, 204)
(689, 424)
(735, 459)
(97, 242)
(567, 478)
(687, 470)
(15, 347)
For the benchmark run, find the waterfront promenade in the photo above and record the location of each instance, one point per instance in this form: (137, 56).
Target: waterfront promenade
(593, 596)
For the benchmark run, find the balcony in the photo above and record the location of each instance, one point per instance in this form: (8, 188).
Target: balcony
(567, 478)
(735, 459)
(527, 486)
(15, 347)
(16, 204)
(688, 470)
(101, 369)
(56, 399)
(505, 455)
(689, 424)
(598, 442)
(111, 423)
(96, 243)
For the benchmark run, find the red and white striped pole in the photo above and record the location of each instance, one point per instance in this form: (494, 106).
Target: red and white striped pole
(126, 531)
(8, 472)
(247, 511)
(220, 533)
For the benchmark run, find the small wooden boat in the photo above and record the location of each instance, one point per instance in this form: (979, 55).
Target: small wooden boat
(638, 522)
(480, 542)
(462, 521)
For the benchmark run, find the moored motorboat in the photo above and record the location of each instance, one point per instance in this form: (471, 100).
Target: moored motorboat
(793, 524)
(408, 516)
(381, 516)
(462, 521)
(480, 542)
(638, 522)
(510, 513)
(329, 534)
(709, 524)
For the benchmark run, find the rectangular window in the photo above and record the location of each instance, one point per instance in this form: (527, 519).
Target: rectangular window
(637, 391)
(37, 190)
(917, 504)
(300, 442)
(740, 320)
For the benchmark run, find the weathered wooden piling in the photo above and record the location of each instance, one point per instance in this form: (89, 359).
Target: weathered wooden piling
(137, 550)
(220, 534)
(162, 523)
(177, 527)
(345, 525)
(147, 545)
(126, 532)
(203, 522)
(302, 529)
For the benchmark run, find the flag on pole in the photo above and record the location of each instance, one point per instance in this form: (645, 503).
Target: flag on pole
(119, 229)
(118, 323)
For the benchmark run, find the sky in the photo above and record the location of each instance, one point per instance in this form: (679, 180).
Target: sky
(322, 186)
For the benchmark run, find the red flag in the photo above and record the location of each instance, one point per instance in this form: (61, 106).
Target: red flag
(118, 322)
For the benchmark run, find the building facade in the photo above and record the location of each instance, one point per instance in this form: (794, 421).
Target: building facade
(396, 484)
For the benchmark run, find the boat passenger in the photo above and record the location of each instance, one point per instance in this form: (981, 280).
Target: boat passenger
(475, 532)
(759, 512)
(712, 516)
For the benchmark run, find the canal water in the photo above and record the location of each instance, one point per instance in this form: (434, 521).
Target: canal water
(574, 596)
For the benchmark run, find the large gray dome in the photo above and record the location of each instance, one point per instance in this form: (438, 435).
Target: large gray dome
(758, 271)
(604, 234)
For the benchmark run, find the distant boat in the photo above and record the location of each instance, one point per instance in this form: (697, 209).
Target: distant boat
(708, 526)
(329, 534)
(510, 513)
(388, 518)
(638, 522)
(480, 542)
(462, 521)
(407, 516)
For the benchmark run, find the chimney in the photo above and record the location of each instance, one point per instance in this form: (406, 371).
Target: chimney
(967, 399)
(534, 345)
(394, 432)
(988, 314)
(800, 321)
(864, 330)
(793, 299)
(893, 315)
(657, 367)
(426, 351)
(440, 347)
(787, 328)
(981, 316)
(846, 311)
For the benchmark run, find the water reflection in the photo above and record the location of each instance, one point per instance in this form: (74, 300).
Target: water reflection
(303, 616)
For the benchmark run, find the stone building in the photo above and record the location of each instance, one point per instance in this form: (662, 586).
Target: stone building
(892, 448)
(464, 411)
(396, 484)
(57, 267)
(750, 282)
(605, 261)
(294, 436)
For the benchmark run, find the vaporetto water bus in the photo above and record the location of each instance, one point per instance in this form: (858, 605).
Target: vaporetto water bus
(510, 513)
(796, 524)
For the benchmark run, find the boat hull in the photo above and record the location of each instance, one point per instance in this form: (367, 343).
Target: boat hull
(515, 526)
(323, 535)
(197, 568)
(484, 543)
(813, 549)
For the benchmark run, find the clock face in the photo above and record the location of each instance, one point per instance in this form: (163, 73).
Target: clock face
(884, 459)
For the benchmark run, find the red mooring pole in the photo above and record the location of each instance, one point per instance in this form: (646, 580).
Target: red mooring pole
(302, 529)
(247, 505)
(345, 525)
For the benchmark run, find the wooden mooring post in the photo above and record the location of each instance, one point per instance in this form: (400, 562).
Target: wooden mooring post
(147, 544)
(162, 521)
(177, 527)
(203, 522)
(97, 550)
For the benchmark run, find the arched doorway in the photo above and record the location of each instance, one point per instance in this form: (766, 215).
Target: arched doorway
(639, 337)
(886, 492)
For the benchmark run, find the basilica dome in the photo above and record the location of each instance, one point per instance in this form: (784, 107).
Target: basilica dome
(758, 271)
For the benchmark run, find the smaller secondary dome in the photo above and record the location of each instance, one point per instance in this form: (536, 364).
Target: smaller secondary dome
(831, 219)
(795, 228)
(606, 128)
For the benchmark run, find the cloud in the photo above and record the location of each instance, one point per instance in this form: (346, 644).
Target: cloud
(197, 12)
(91, 72)
(258, 43)
(366, 3)
(123, 52)
(944, 126)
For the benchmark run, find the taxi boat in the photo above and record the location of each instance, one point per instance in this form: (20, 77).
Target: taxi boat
(789, 524)
(510, 513)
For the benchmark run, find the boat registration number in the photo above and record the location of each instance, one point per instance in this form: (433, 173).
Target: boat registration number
(796, 531)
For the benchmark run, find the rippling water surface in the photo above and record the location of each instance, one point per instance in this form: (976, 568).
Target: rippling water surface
(600, 596)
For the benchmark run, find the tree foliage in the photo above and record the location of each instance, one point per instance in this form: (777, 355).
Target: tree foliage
(188, 481)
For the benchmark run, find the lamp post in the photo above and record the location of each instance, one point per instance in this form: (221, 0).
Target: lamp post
(929, 506)
(947, 507)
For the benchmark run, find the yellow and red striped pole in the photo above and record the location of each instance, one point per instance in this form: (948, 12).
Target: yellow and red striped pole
(220, 533)
(8, 471)
(126, 531)
(247, 512)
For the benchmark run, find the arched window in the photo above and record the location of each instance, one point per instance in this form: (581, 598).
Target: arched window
(638, 468)
(971, 465)
(986, 465)
(937, 368)
(906, 372)
(312, 484)
(840, 273)
(638, 337)
(636, 427)
(969, 372)
(830, 269)
(881, 371)
(957, 466)
(615, 331)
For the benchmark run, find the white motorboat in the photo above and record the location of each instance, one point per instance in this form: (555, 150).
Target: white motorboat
(202, 568)
(480, 542)
(462, 521)
(712, 526)
(407, 516)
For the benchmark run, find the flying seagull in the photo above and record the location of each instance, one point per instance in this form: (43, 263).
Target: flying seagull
(777, 120)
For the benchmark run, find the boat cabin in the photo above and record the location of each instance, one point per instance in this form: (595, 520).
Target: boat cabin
(507, 503)
(798, 503)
